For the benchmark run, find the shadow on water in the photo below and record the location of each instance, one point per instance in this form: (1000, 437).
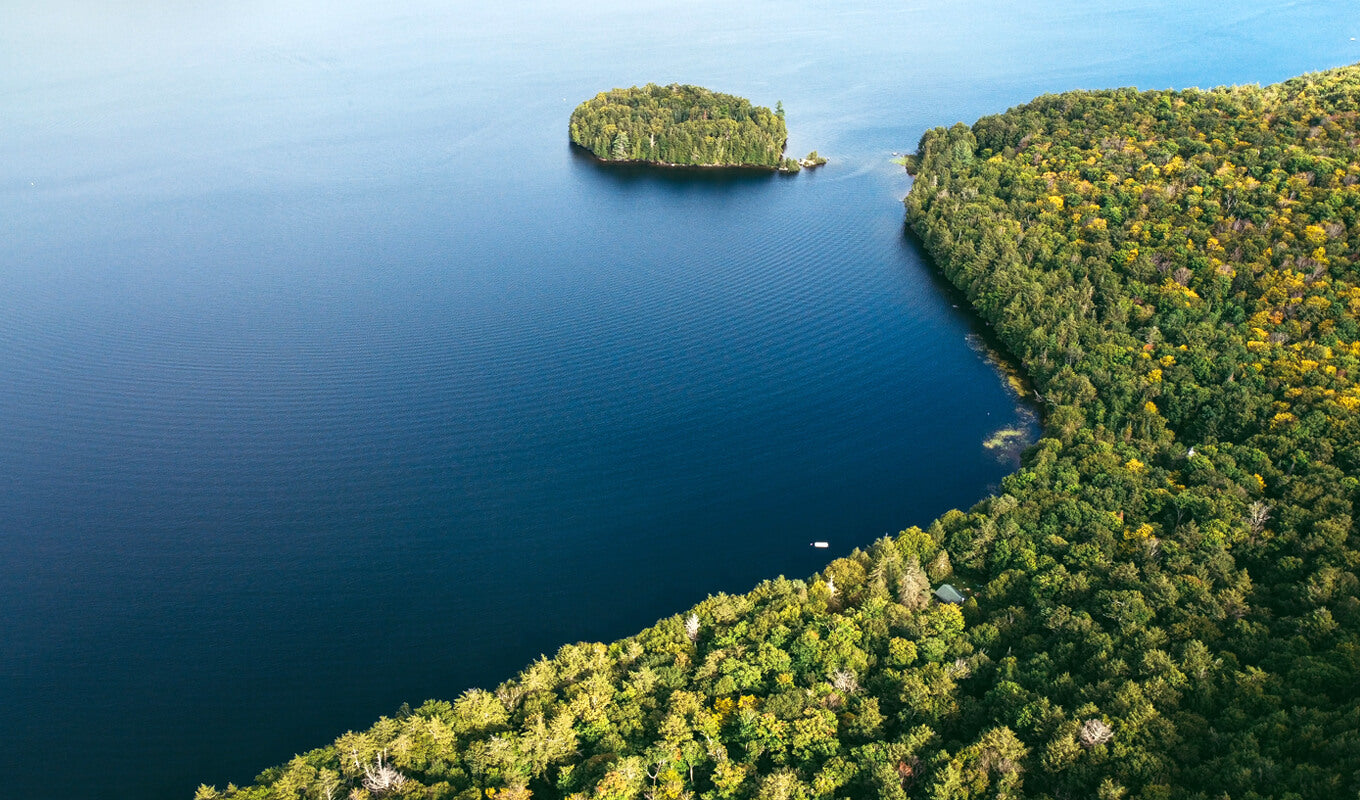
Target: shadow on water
(1008, 443)
(629, 174)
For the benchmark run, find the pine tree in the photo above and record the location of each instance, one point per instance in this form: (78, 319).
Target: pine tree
(621, 146)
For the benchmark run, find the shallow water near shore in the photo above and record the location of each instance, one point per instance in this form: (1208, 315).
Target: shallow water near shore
(333, 378)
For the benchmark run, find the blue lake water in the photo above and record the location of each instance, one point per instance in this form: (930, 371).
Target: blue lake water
(332, 378)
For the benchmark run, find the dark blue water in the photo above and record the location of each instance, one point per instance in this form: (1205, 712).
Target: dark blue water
(331, 378)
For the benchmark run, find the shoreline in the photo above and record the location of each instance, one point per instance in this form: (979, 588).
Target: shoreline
(803, 164)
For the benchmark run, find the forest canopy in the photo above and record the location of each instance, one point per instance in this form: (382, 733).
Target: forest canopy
(680, 125)
(1162, 602)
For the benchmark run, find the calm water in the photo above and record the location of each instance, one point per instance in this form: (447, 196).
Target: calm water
(331, 378)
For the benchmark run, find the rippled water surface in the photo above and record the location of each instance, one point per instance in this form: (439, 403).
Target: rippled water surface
(332, 378)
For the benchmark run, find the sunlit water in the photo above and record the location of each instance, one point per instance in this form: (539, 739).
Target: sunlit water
(332, 378)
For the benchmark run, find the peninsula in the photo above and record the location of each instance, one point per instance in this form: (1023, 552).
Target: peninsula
(684, 126)
(1162, 602)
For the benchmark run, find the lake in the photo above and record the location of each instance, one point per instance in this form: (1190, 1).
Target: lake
(333, 378)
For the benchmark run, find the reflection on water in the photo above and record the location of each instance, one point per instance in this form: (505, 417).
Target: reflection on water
(677, 177)
(335, 379)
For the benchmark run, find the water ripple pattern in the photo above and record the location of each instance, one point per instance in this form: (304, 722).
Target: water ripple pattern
(331, 377)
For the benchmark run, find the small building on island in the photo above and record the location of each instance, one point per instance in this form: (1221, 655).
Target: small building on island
(948, 594)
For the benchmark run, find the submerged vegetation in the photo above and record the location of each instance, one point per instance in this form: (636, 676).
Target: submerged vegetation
(1163, 601)
(679, 125)
(1004, 438)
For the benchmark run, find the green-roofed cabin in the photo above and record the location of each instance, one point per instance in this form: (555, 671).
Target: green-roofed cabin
(948, 594)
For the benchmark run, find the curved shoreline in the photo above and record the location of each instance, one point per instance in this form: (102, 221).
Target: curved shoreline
(1007, 363)
(993, 352)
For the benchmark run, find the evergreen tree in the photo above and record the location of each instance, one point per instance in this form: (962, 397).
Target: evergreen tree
(679, 125)
(1164, 600)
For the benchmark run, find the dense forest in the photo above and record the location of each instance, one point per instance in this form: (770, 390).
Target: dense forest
(1161, 603)
(679, 125)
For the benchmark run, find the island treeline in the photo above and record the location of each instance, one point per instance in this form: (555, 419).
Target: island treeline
(680, 125)
(1161, 603)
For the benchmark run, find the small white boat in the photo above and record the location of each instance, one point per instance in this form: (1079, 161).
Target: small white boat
(821, 545)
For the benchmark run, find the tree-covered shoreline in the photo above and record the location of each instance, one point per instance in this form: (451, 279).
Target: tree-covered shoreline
(1177, 273)
(683, 126)
(1163, 600)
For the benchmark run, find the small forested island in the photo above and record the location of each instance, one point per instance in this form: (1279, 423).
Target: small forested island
(684, 126)
(1163, 602)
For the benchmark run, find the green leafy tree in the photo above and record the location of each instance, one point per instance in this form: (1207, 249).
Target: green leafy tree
(1164, 600)
(679, 125)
